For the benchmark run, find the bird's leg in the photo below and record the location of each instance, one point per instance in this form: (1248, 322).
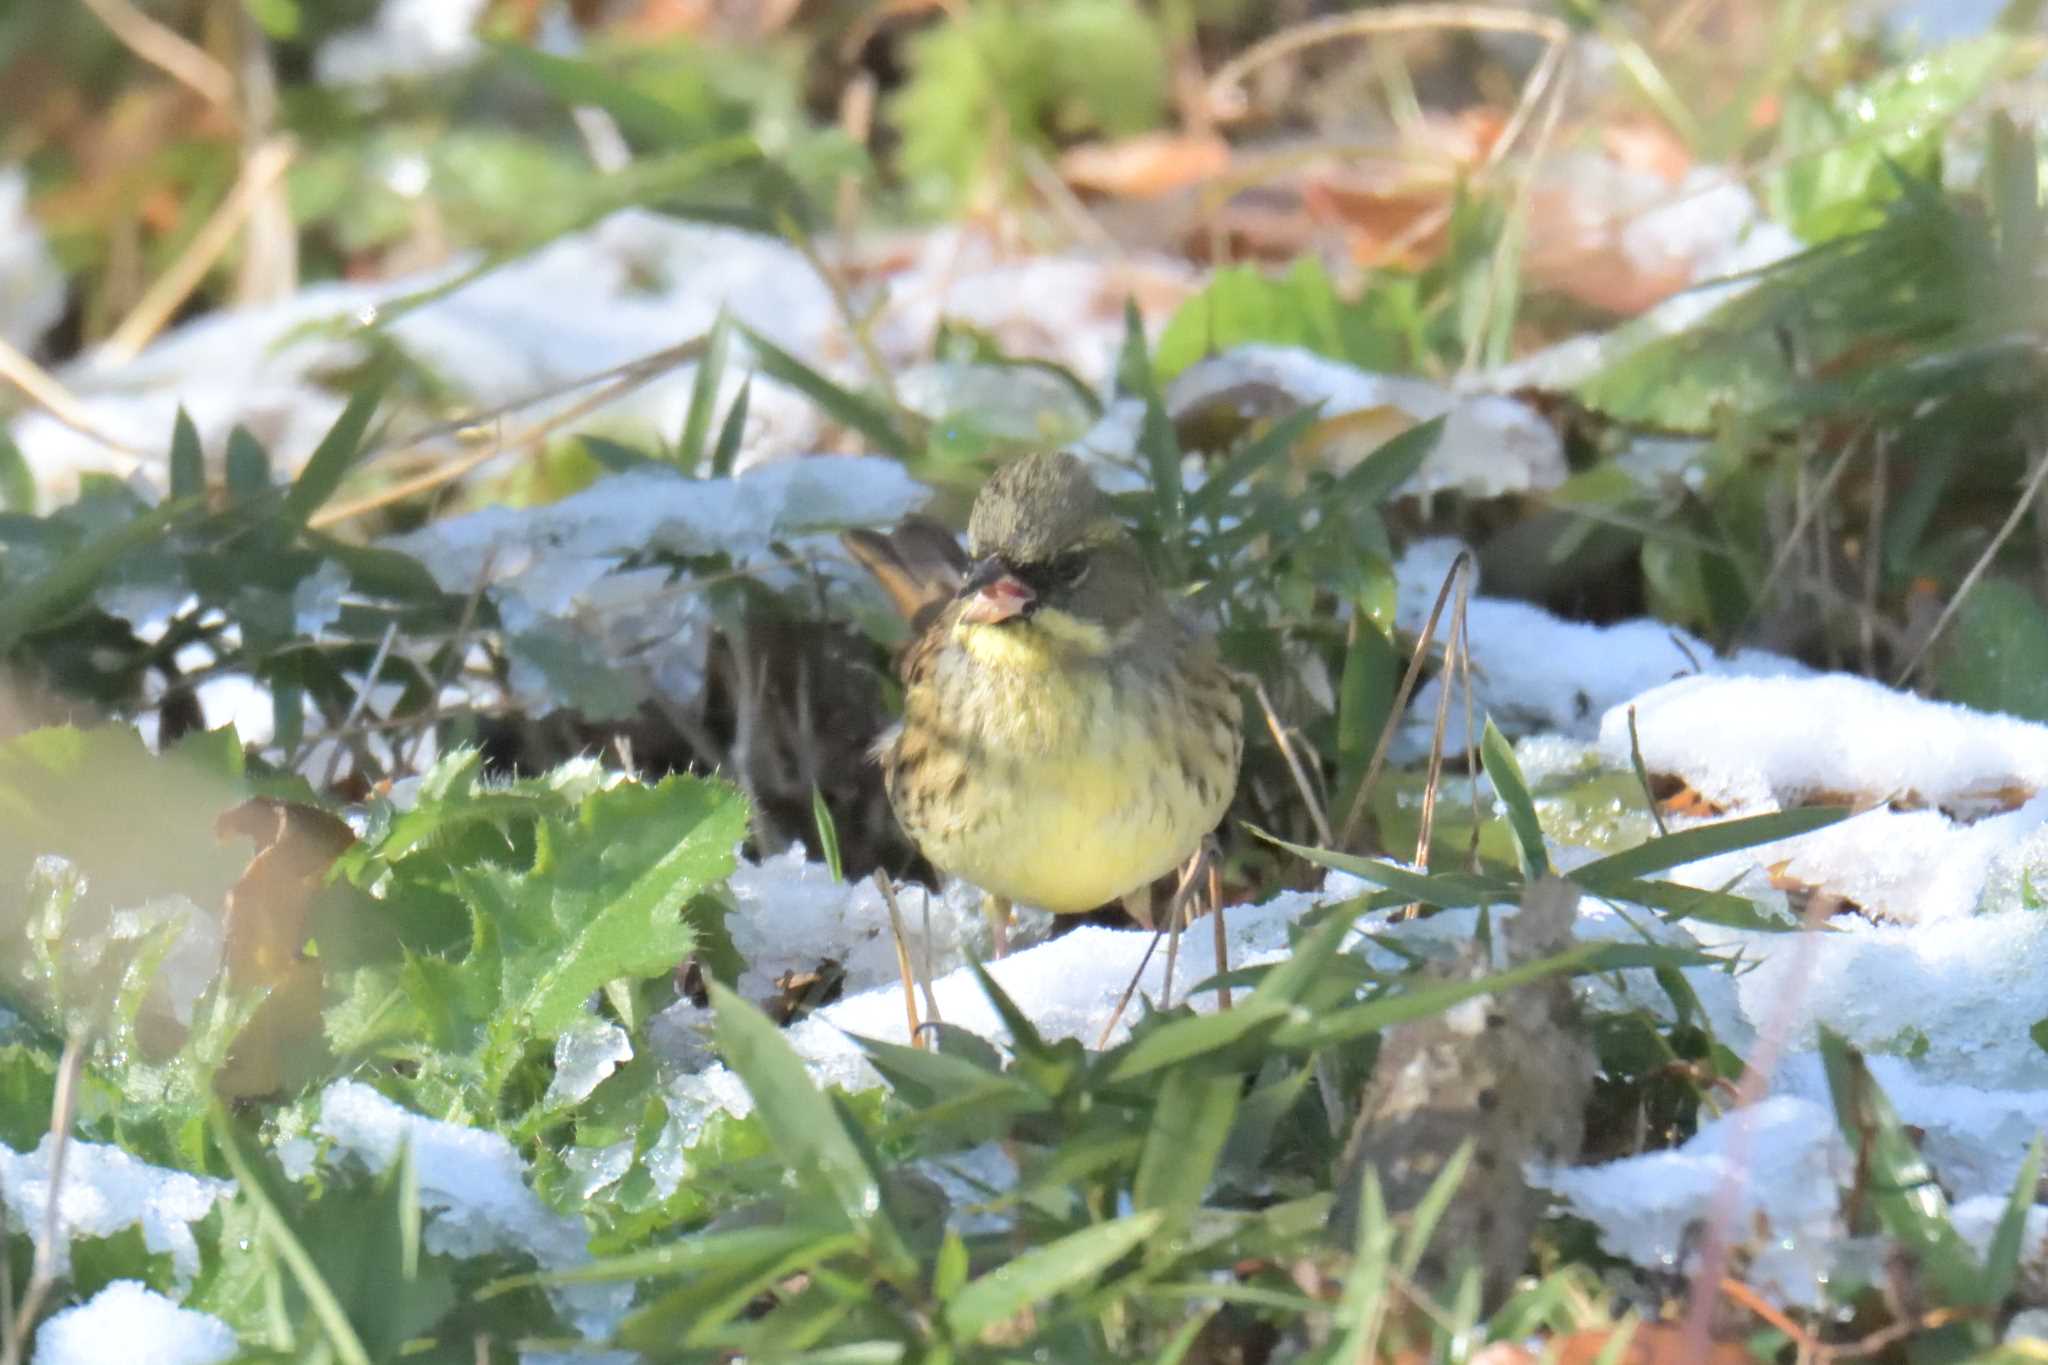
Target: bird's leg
(1138, 905)
(997, 910)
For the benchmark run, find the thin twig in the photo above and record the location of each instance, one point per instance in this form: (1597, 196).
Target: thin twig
(1225, 100)
(1969, 583)
(1222, 938)
(360, 704)
(623, 379)
(1434, 776)
(44, 390)
(261, 170)
(902, 938)
(43, 1269)
(1279, 732)
(1756, 1077)
(1873, 553)
(1355, 817)
(1174, 907)
(169, 52)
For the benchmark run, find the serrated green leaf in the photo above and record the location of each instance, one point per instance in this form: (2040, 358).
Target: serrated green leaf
(603, 900)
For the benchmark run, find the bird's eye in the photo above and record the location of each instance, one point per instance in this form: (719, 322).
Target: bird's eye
(1069, 570)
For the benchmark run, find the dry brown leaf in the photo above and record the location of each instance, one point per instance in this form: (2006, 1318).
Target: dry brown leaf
(1646, 144)
(265, 925)
(1146, 166)
(1654, 1343)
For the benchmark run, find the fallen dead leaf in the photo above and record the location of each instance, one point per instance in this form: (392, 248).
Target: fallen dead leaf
(265, 926)
(1146, 166)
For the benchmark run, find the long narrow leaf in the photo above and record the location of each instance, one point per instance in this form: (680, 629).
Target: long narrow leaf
(801, 1119)
(1898, 1183)
(847, 408)
(1506, 775)
(1690, 845)
(1445, 890)
(704, 397)
(1045, 1271)
(332, 457)
(253, 1186)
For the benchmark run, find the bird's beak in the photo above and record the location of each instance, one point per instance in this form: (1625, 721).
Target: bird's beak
(994, 594)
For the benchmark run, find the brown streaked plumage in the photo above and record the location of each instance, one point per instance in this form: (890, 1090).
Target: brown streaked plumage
(1067, 736)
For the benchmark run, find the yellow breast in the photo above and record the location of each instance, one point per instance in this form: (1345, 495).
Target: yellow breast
(1044, 769)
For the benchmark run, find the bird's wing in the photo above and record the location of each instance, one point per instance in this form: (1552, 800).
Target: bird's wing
(919, 565)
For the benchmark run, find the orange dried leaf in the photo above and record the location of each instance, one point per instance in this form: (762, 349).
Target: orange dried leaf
(265, 926)
(1146, 166)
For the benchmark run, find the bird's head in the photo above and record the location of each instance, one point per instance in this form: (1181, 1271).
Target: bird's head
(1049, 554)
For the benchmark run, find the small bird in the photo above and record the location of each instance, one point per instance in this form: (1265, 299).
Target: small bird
(1068, 735)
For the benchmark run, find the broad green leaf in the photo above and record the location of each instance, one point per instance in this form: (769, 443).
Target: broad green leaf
(1995, 654)
(603, 900)
(1834, 154)
(1044, 1272)
(70, 583)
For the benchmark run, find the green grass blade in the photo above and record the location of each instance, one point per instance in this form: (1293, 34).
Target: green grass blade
(327, 1309)
(704, 397)
(806, 1128)
(1690, 845)
(847, 408)
(1498, 758)
(333, 456)
(1039, 1274)
(188, 462)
